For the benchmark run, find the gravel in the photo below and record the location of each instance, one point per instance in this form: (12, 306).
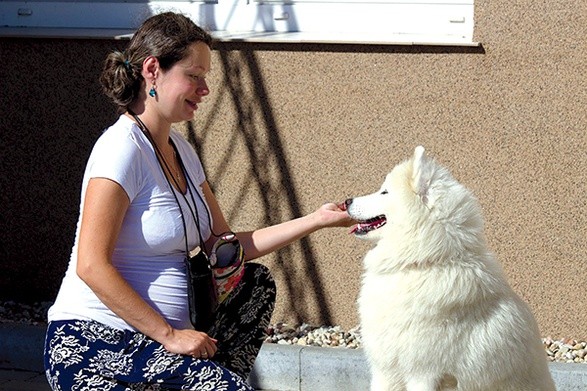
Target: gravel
(563, 350)
(307, 335)
(16, 312)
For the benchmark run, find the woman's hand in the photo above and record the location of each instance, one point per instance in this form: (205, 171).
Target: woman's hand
(333, 215)
(191, 343)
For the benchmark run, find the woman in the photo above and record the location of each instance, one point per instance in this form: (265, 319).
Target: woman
(121, 318)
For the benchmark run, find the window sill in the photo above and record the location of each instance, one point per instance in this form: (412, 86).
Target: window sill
(253, 37)
(342, 38)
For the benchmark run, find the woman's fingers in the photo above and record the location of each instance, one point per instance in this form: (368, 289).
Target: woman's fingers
(192, 343)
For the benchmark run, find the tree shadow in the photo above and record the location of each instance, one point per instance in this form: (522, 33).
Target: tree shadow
(305, 282)
(240, 68)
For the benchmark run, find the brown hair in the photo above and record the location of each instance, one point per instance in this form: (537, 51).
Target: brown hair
(166, 36)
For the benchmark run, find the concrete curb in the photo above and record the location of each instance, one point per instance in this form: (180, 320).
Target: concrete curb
(296, 368)
(278, 367)
(299, 368)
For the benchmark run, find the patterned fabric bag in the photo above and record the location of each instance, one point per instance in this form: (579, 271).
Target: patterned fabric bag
(227, 260)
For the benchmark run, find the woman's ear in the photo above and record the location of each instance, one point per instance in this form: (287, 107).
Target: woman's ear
(150, 68)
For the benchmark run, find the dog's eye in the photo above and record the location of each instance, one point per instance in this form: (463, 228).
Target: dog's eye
(384, 192)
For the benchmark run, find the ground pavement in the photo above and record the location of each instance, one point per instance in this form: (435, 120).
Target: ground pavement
(278, 367)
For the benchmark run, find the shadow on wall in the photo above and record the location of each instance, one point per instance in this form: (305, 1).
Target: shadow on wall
(51, 115)
(258, 158)
(265, 153)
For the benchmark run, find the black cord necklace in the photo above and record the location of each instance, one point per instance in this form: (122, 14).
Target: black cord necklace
(163, 164)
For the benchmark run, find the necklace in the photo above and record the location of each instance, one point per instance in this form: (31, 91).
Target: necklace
(175, 168)
(159, 154)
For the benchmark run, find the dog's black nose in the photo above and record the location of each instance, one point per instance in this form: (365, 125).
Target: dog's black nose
(348, 202)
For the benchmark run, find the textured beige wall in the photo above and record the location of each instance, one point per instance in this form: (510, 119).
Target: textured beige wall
(288, 127)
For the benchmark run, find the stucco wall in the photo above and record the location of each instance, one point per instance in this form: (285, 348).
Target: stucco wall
(288, 127)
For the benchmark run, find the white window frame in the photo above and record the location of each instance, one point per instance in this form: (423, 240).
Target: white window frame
(422, 22)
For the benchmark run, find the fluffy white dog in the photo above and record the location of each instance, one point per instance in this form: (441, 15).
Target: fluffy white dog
(436, 311)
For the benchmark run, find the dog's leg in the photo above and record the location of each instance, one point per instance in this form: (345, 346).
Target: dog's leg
(380, 381)
(422, 383)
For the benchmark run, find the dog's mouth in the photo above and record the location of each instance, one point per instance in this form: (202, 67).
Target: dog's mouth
(367, 226)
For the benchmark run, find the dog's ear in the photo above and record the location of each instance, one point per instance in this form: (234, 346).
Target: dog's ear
(422, 172)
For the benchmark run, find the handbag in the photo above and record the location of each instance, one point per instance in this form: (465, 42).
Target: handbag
(202, 294)
(227, 260)
(210, 280)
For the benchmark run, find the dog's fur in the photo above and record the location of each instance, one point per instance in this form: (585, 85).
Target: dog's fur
(435, 308)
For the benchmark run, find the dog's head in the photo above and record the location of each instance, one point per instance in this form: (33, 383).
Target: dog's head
(420, 212)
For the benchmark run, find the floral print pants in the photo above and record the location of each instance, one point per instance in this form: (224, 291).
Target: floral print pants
(89, 356)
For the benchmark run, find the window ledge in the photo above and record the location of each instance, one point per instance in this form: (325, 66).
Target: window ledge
(254, 37)
(342, 38)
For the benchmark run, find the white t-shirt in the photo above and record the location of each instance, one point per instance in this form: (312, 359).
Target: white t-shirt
(150, 250)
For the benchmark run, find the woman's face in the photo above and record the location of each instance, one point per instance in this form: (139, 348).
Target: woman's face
(181, 88)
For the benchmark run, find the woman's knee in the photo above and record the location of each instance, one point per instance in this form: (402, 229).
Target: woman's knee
(260, 274)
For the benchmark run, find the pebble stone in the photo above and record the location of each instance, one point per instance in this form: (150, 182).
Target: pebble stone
(557, 350)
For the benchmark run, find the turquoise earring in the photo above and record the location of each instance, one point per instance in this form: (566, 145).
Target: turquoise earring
(152, 92)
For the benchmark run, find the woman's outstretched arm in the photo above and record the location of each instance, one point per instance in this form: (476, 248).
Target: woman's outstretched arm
(266, 240)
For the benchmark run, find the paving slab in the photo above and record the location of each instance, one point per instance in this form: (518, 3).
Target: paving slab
(328, 369)
(278, 368)
(569, 377)
(20, 380)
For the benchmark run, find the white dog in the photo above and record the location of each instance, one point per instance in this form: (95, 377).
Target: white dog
(436, 311)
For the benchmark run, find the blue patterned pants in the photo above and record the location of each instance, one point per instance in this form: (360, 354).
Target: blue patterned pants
(89, 356)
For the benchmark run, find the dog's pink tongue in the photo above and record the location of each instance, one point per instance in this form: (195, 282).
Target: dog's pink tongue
(354, 228)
